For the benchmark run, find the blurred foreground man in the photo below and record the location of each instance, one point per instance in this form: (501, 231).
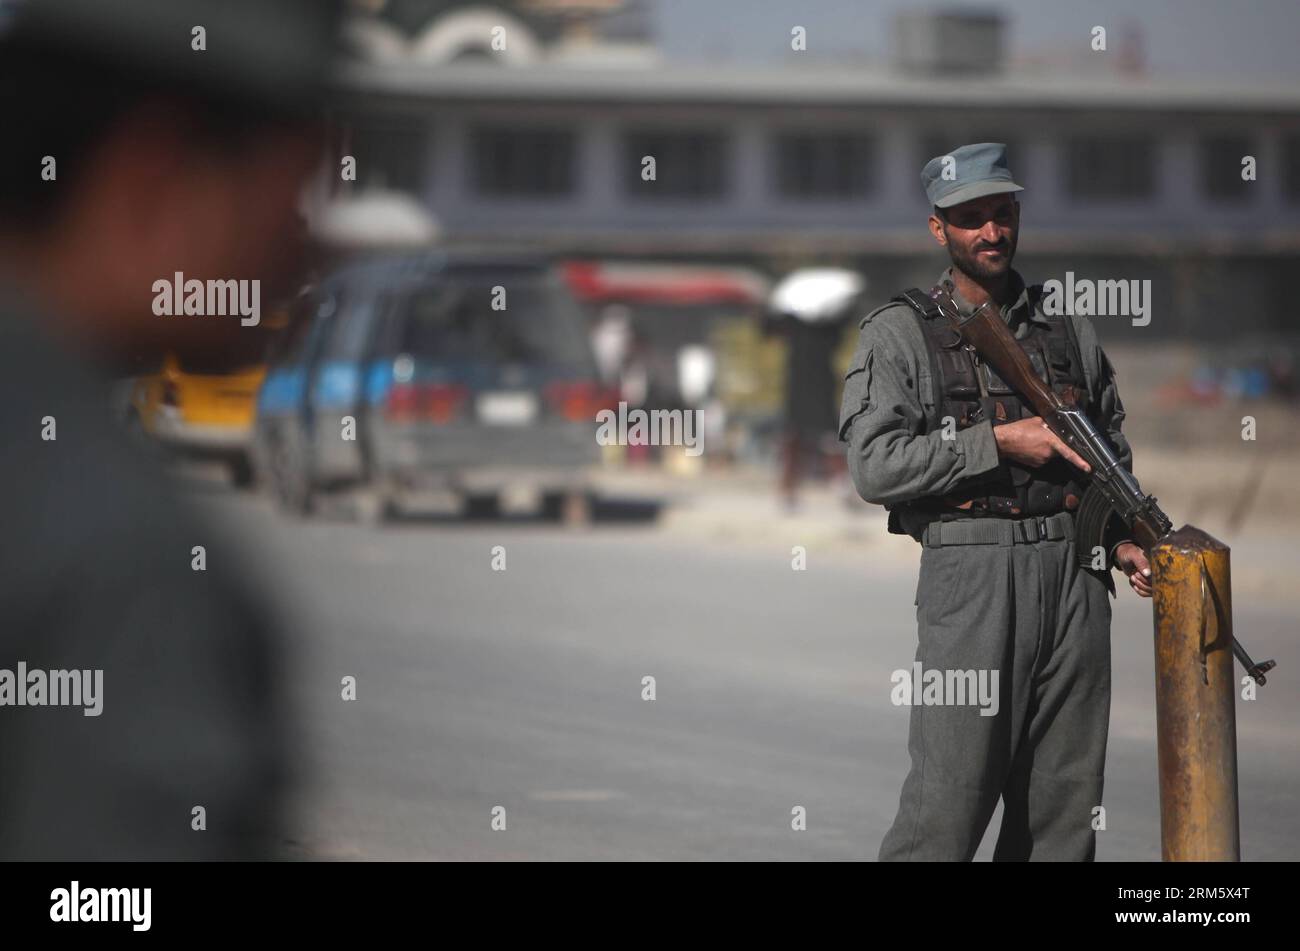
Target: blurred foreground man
(965, 468)
(140, 714)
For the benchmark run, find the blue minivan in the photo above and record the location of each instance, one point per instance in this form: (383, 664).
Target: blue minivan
(410, 374)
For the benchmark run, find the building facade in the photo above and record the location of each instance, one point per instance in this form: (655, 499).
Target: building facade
(590, 155)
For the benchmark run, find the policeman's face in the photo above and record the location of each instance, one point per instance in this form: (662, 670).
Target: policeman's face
(980, 235)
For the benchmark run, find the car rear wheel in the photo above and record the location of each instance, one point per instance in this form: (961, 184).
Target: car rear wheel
(482, 506)
(241, 472)
(288, 475)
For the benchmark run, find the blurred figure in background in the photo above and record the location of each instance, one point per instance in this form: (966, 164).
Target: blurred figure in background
(145, 139)
(611, 343)
(623, 360)
(809, 308)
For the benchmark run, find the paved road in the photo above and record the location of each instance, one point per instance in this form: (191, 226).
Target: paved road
(522, 689)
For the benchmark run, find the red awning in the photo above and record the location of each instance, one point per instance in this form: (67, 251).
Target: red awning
(596, 281)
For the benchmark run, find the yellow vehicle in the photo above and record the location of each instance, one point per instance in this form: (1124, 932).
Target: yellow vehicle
(203, 407)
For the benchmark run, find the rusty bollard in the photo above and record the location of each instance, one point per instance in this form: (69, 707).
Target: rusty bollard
(1196, 719)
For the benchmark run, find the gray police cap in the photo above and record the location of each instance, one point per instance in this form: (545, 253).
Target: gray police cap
(973, 171)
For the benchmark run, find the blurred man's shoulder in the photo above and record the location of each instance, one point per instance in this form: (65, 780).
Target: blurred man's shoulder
(78, 490)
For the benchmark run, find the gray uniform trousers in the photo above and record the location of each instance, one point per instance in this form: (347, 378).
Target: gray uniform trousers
(991, 597)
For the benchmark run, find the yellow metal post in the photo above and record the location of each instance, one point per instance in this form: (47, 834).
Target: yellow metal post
(1196, 722)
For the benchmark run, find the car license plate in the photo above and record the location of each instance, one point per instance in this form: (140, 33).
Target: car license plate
(507, 409)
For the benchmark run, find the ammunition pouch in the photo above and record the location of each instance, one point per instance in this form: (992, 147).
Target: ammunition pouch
(967, 391)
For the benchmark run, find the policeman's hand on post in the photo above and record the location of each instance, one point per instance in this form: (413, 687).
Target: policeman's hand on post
(1133, 562)
(1031, 443)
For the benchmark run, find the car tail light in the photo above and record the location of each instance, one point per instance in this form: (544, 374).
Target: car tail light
(403, 403)
(580, 401)
(434, 402)
(443, 401)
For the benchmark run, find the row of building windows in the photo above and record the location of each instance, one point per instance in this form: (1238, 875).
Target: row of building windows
(509, 162)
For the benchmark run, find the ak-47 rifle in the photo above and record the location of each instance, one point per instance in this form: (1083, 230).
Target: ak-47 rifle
(1112, 490)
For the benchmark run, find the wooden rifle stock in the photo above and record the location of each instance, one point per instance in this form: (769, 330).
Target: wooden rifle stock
(990, 338)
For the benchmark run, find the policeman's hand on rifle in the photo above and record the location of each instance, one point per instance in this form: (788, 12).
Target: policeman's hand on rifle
(1133, 562)
(1029, 442)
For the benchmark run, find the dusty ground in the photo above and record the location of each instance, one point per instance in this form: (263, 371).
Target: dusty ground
(1246, 499)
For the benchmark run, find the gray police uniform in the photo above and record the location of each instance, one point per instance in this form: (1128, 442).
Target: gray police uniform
(997, 591)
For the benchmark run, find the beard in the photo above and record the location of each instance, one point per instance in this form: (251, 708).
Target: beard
(980, 269)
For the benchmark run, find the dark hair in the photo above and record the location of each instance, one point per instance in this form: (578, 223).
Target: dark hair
(52, 103)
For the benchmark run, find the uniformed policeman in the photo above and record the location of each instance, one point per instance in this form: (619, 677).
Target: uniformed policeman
(966, 468)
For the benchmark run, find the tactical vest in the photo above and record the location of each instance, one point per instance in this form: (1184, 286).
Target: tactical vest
(969, 391)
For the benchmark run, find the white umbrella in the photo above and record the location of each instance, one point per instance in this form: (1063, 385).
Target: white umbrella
(816, 294)
(376, 218)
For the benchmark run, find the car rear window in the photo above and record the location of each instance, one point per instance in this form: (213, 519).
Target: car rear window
(349, 334)
(454, 320)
